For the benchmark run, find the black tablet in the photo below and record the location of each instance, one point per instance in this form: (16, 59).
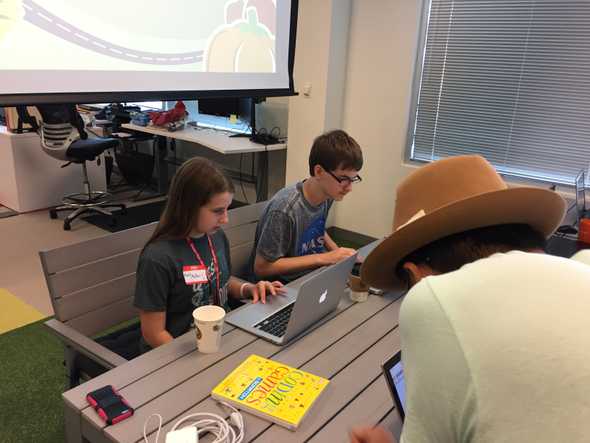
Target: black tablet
(394, 374)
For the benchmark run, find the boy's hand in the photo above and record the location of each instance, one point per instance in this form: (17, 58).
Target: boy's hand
(329, 258)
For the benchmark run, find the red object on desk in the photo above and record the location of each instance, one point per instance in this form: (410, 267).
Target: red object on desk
(584, 230)
(173, 115)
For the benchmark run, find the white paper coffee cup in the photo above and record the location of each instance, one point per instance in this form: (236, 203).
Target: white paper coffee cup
(358, 290)
(359, 296)
(208, 327)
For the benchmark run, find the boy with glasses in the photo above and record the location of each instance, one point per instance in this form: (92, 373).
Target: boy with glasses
(291, 237)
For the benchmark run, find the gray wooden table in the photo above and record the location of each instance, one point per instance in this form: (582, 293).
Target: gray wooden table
(175, 380)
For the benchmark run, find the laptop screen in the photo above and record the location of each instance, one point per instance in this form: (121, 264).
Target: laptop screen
(394, 374)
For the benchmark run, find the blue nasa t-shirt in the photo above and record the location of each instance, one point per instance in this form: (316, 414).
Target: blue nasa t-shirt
(290, 227)
(312, 239)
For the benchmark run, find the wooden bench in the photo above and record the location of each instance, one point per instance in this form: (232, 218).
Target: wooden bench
(92, 283)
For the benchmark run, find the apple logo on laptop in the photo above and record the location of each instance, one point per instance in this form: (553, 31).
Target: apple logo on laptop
(323, 296)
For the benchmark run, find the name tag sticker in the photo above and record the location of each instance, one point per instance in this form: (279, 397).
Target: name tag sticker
(194, 274)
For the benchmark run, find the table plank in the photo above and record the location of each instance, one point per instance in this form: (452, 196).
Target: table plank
(176, 401)
(335, 359)
(297, 353)
(129, 372)
(348, 383)
(91, 421)
(336, 346)
(73, 427)
(173, 374)
(184, 368)
(137, 396)
(365, 410)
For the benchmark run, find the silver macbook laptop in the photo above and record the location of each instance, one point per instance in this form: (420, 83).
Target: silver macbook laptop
(286, 316)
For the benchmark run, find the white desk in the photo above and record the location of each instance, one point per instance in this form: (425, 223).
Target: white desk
(219, 141)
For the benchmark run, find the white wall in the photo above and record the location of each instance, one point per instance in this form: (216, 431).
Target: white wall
(379, 65)
(274, 112)
(320, 60)
(381, 59)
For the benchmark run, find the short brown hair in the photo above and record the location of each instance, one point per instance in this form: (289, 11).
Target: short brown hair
(335, 149)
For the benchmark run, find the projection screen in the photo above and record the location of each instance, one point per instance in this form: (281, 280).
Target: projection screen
(58, 51)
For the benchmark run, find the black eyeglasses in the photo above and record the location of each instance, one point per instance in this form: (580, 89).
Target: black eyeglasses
(346, 180)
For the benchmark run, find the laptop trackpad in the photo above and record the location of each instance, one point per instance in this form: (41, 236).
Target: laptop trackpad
(252, 314)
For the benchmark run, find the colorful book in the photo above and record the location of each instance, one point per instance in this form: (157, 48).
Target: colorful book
(271, 390)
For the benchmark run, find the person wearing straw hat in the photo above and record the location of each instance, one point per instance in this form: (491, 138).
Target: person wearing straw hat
(494, 333)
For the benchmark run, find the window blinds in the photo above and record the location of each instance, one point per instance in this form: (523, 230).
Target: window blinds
(507, 79)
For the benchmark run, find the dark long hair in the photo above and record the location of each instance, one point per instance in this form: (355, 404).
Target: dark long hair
(193, 186)
(451, 253)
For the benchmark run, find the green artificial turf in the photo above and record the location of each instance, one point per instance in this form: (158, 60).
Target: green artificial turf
(32, 379)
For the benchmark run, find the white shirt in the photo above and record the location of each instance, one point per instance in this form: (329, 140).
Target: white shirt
(499, 351)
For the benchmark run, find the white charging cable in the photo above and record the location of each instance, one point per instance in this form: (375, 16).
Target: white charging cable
(206, 422)
(159, 427)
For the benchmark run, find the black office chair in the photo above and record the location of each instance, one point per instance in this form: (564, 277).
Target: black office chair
(63, 137)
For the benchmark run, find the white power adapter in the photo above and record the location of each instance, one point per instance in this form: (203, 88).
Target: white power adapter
(203, 422)
(184, 435)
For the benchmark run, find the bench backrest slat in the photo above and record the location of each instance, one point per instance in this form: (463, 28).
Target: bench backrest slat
(90, 280)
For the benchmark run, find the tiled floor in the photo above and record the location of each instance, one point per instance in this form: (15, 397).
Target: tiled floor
(21, 238)
(6, 212)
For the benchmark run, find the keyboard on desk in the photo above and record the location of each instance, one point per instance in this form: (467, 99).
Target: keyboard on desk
(277, 323)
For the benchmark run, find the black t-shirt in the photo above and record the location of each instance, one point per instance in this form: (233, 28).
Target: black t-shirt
(160, 283)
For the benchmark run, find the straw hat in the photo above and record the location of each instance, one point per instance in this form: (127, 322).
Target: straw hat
(450, 196)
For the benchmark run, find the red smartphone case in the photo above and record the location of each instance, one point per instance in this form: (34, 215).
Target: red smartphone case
(109, 404)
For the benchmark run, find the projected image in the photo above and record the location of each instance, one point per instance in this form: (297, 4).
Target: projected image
(246, 42)
(120, 35)
(11, 11)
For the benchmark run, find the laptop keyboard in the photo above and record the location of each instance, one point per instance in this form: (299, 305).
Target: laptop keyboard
(277, 323)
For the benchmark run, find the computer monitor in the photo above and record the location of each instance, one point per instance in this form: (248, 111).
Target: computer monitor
(224, 107)
(581, 193)
(214, 113)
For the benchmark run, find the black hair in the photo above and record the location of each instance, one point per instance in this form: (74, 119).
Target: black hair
(452, 252)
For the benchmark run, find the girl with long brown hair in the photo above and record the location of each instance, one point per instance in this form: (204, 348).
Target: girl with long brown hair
(186, 262)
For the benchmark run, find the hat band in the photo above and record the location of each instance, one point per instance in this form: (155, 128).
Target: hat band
(413, 218)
